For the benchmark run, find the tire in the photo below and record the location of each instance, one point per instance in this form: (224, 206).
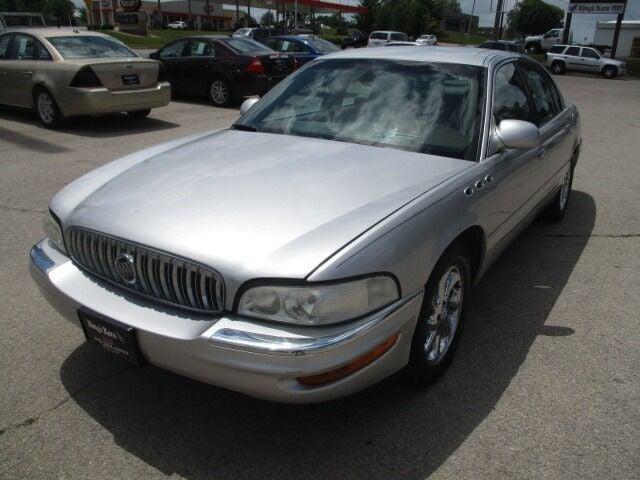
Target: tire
(219, 93)
(558, 68)
(47, 109)
(533, 48)
(426, 364)
(609, 72)
(139, 113)
(557, 208)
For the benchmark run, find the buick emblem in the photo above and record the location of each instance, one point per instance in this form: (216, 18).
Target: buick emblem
(125, 268)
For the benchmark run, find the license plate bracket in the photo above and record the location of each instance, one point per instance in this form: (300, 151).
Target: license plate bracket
(115, 337)
(130, 80)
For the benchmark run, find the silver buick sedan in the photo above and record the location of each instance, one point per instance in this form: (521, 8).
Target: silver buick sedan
(330, 237)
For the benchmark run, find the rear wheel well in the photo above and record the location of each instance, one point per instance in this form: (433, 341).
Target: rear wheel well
(473, 240)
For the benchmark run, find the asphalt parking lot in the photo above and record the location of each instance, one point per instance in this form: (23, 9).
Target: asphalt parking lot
(545, 383)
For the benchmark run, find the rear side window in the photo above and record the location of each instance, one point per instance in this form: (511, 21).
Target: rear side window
(4, 46)
(25, 47)
(557, 49)
(378, 36)
(510, 101)
(397, 37)
(542, 91)
(588, 53)
(573, 51)
(200, 48)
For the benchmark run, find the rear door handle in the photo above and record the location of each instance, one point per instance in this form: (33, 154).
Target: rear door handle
(541, 153)
(27, 73)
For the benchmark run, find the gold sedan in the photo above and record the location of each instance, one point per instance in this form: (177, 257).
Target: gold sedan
(63, 73)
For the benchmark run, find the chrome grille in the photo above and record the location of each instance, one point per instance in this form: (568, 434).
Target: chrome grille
(146, 271)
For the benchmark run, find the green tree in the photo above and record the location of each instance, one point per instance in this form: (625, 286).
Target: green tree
(268, 19)
(61, 10)
(367, 21)
(83, 17)
(534, 16)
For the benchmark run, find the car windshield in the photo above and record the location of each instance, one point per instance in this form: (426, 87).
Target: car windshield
(89, 47)
(323, 46)
(245, 45)
(422, 107)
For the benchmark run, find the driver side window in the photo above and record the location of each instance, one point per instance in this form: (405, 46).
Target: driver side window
(510, 100)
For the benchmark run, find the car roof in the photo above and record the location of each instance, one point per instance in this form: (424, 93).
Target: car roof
(386, 31)
(300, 38)
(47, 32)
(460, 55)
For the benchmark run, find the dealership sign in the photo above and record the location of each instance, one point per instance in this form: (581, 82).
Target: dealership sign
(130, 5)
(596, 6)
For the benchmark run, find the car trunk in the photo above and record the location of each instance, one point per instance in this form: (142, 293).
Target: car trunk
(277, 65)
(126, 75)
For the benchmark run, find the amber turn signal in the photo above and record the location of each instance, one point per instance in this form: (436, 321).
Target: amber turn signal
(349, 368)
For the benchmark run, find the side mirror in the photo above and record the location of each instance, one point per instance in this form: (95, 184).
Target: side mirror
(515, 134)
(247, 104)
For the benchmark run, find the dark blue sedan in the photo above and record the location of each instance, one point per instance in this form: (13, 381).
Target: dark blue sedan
(303, 48)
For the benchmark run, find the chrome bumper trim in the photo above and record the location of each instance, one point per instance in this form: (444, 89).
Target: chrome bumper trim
(298, 346)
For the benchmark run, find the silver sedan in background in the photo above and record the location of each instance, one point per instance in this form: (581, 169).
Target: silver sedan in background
(330, 237)
(66, 72)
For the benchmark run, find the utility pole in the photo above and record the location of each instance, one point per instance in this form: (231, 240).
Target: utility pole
(237, 15)
(473, 7)
(498, 21)
(295, 20)
(616, 32)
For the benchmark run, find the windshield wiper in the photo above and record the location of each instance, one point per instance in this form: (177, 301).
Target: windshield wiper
(243, 127)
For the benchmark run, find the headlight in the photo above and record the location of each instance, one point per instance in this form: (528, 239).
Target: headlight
(53, 230)
(320, 304)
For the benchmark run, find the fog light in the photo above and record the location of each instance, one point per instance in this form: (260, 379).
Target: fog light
(352, 367)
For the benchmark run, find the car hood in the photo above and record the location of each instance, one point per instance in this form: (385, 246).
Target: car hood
(255, 204)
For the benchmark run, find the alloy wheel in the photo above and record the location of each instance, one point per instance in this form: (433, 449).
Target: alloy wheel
(565, 189)
(46, 108)
(218, 92)
(446, 310)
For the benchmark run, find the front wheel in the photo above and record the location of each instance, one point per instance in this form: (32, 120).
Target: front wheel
(609, 72)
(558, 68)
(533, 48)
(219, 93)
(441, 317)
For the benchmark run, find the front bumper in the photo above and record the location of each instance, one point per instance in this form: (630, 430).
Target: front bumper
(95, 101)
(260, 359)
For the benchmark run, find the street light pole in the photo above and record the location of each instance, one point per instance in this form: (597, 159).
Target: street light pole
(295, 14)
(473, 7)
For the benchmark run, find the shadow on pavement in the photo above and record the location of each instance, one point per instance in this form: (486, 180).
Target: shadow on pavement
(105, 126)
(389, 431)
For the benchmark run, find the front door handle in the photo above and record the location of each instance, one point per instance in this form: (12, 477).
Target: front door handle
(541, 153)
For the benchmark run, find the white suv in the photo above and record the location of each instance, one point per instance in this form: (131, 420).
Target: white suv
(561, 58)
(381, 38)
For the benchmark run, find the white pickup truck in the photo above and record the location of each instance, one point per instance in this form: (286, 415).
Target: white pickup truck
(10, 20)
(542, 43)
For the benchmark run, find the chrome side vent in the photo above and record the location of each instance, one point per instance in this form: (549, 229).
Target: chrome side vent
(146, 271)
